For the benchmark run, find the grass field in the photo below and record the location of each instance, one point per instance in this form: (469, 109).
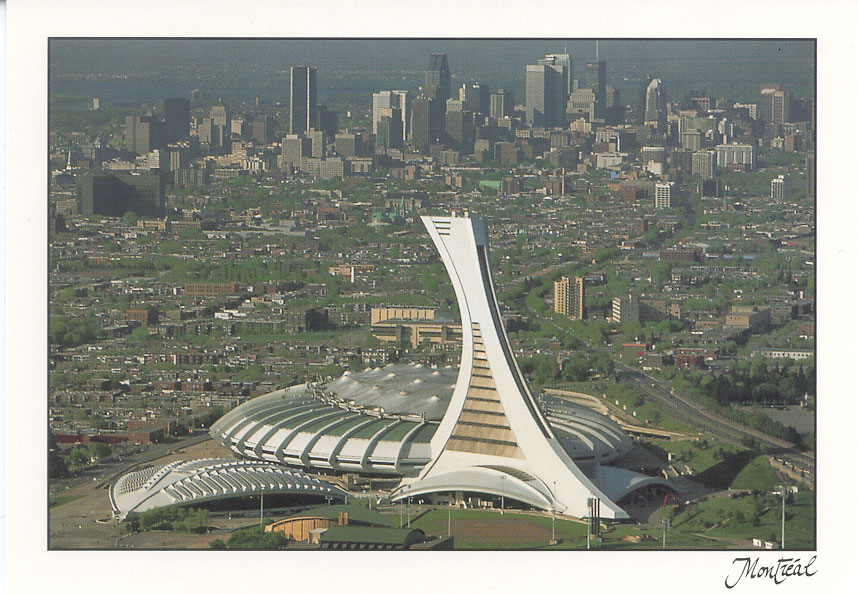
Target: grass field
(735, 519)
(61, 499)
(711, 525)
(475, 529)
(736, 468)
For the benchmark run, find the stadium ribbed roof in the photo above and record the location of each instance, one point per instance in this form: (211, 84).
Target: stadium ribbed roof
(196, 481)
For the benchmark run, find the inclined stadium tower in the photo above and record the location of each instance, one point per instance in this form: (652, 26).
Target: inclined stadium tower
(475, 429)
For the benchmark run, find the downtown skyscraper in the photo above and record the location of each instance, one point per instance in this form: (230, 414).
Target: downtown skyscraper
(303, 110)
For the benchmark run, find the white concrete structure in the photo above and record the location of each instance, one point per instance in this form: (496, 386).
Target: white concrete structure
(197, 483)
(493, 438)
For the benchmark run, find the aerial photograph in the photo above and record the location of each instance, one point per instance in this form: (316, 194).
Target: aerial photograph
(431, 294)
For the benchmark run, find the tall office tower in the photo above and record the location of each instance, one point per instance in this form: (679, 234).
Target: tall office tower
(562, 65)
(219, 114)
(569, 297)
(380, 100)
(293, 148)
(475, 98)
(400, 100)
(329, 121)
(177, 118)
(143, 134)
(655, 111)
(615, 111)
(703, 164)
(774, 104)
(438, 77)
(501, 104)
(389, 128)
(262, 129)
(810, 167)
(542, 93)
(664, 195)
(779, 189)
(595, 77)
(459, 130)
(302, 99)
(427, 118)
(317, 140)
(581, 104)
(494, 438)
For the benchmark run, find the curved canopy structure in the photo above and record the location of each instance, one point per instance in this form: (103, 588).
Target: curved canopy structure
(198, 482)
(381, 420)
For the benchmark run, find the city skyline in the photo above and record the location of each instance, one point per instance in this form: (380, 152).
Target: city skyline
(703, 158)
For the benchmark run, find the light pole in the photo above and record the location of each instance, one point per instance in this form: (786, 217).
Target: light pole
(502, 492)
(449, 507)
(408, 512)
(589, 519)
(261, 496)
(783, 514)
(553, 507)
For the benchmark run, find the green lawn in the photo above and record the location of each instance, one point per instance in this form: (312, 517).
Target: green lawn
(61, 499)
(477, 529)
(689, 453)
(734, 518)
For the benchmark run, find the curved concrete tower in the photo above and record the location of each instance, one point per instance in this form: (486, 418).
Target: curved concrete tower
(493, 438)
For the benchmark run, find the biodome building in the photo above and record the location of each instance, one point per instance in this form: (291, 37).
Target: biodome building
(476, 429)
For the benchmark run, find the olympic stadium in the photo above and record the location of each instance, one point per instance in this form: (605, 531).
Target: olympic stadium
(473, 435)
(380, 421)
(217, 485)
(447, 432)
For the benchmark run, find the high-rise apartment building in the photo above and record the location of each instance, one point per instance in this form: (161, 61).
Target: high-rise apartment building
(302, 99)
(569, 297)
(703, 164)
(664, 195)
(625, 310)
(744, 155)
(778, 188)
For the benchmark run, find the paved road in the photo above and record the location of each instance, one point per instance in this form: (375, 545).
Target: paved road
(691, 413)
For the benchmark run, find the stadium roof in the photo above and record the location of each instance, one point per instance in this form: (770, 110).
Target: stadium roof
(381, 420)
(197, 481)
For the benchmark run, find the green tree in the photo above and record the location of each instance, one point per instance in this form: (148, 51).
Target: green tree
(130, 218)
(79, 457)
(660, 273)
(140, 334)
(98, 449)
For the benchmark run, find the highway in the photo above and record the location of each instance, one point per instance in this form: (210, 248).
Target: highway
(693, 414)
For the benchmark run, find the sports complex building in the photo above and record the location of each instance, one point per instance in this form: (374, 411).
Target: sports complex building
(475, 433)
